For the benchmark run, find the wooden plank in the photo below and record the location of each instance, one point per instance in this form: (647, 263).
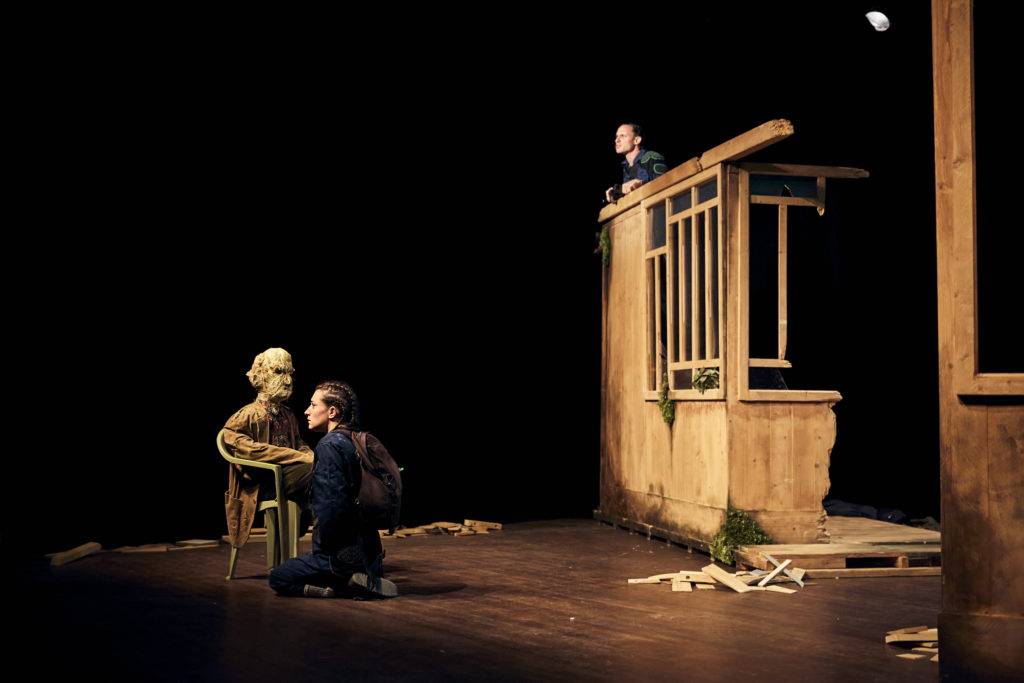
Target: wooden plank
(782, 201)
(804, 170)
(794, 396)
(783, 281)
(773, 574)
(769, 363)
(864, 530)
(781, 475)
(871, 572)
(682, 586)
(779, 589)
(792, 575)
(709, 312)
(724, 577)
(907, 629)
(916, 637)
(76, 553)
(747, 143)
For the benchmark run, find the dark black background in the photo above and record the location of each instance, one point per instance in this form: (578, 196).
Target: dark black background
(409, 203)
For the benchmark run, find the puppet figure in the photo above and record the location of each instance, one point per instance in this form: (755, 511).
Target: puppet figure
(265, 430)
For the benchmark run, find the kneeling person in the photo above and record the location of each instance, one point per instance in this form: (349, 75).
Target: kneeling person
(347, 557)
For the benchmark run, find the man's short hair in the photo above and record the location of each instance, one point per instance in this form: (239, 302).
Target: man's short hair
(638, 130)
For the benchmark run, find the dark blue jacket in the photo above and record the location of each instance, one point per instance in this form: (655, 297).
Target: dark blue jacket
(336, 479)
(647, 166)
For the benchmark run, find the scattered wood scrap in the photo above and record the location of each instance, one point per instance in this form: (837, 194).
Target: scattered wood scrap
(76, 553)
(923, 635)
(923, 641)
(712, 575)
(469, 527)
(724, 577)
(191, 544)
(197, 543)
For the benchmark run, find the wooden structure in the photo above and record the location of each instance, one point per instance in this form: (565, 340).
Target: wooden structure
(678, 304)
(981, 626)
(857, 548)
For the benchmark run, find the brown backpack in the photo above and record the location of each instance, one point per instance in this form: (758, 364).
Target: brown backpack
(380, 488)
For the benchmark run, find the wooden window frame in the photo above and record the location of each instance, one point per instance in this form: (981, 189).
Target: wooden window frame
(744, 200)
(675, 302)
(967, 380)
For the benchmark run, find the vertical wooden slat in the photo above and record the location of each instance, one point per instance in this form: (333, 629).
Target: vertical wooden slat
(783, 279)
(709, 326)
(672, 353)
(682, 287)
(658, 332)
(696, 331)
(725, 186)
(650, 368)
(742, 294)
(782, 476)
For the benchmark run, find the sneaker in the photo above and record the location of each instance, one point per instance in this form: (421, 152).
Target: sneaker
(381, 588)
(317, 591)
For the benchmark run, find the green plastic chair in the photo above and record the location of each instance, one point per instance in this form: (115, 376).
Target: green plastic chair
(282, 515)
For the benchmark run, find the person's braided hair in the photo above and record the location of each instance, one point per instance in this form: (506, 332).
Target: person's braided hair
(341, 396)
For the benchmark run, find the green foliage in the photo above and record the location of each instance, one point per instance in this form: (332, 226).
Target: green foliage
(668, 408)
(739, 529)
(704, 379)
(604, 243)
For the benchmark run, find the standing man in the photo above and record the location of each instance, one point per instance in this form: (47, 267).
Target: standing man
(639, 165)
(347, 557)
(265, 430)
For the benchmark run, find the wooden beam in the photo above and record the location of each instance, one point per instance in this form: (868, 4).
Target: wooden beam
(76, 553)
(805, 170)
(868, 572)
(769, 363)
(783, 281)
(788, 573)
(742, 145)
(919, 636)
(783, 201)
(724, 577)
(773, 574)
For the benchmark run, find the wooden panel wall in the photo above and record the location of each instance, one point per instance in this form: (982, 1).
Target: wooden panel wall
(674, 478)
(778, 471)
(770, 458)
(981, 625)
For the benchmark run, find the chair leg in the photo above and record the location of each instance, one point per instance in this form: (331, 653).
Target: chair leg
(232, 562)
(273, 540)
(294, 517)
(283, 525)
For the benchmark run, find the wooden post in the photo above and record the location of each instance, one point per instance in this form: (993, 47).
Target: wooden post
(981, 418)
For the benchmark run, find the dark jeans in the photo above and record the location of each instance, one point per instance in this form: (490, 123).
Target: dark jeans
(311, 568)
(319, 569)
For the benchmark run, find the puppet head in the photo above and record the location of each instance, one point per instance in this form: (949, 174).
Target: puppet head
(271, 375)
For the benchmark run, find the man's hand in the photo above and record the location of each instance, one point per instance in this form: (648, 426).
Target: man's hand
(631, 185)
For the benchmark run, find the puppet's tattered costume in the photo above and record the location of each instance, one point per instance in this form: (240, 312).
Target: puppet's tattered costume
(265, 430)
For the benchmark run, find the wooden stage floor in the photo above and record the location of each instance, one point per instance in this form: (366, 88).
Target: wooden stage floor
(536, 601)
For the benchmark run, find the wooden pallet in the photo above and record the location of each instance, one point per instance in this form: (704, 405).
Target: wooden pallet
(858, 548)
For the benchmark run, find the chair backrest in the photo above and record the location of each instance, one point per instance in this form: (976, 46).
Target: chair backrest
(278, 470)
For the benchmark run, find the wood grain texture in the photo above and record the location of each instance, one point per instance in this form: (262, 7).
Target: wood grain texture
(564, 614)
